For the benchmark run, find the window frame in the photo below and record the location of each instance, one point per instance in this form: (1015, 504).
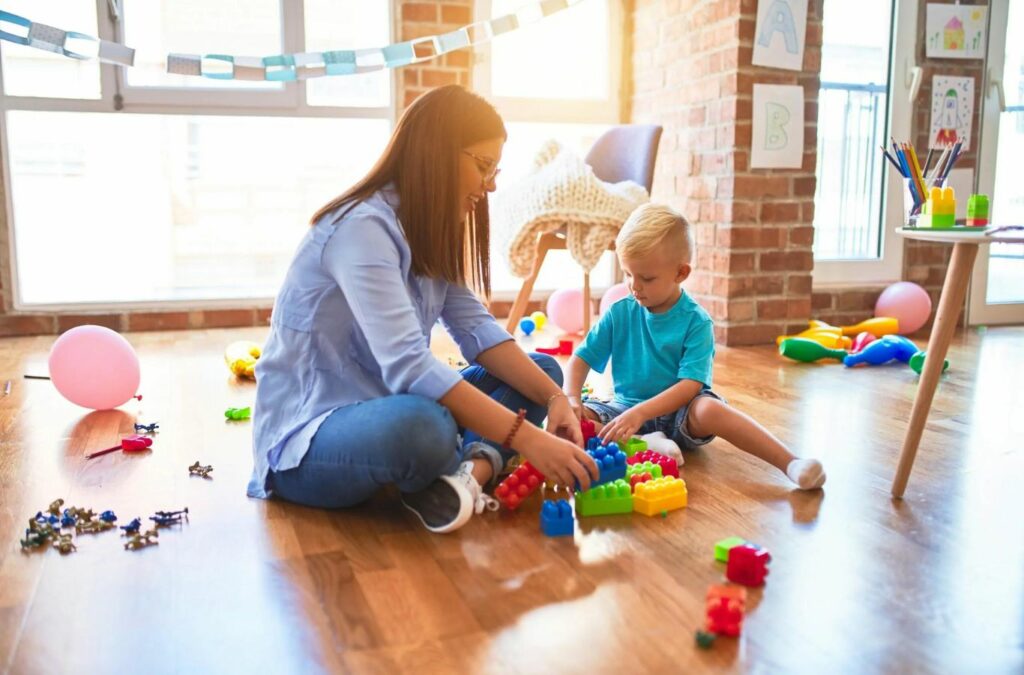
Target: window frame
(902, 69)
(557, 111)
(288, 102)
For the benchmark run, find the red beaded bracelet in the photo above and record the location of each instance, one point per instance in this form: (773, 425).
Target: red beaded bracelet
(515, 427)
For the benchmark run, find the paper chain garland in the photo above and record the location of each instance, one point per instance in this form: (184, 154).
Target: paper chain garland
(282, 67)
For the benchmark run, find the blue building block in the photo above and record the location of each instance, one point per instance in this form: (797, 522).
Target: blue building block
(556, 518)
(611, 461)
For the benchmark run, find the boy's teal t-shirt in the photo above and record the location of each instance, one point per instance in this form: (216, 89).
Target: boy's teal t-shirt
(651, 352)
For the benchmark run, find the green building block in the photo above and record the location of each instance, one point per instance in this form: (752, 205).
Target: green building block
(705, 639)
(633, 446)
(723, 547)
(614, 497)
(643, 467)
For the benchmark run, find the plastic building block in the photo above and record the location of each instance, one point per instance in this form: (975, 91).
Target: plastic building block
(564, 348)
(977, 211)
(556, 519)
(723, 547)
(642, 472)
(667, 464)
(238, 413)
(593, 443)
(660, 494)
(724, 609)
(610, 461)
(520, 484)
(939, 209)
(633, 445)
(748, 564)
(606, 499)
(587, 429)
(705, 639)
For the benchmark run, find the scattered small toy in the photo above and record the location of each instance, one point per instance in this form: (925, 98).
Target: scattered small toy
(556, 519)
(64, 544)
(199, 470)
(108, 516)
(564, 348)
(137, 541)
(705, 639)
(147, 428)
(93, 527)
(724, 608)
(237, 414)
(748, 564)
(132, 527)
(55, 505)
(168, 518)
(67, 520)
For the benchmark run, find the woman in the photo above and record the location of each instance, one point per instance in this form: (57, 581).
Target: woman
(349, 397)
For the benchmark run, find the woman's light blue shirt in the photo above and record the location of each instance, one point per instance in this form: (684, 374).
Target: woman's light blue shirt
(352, 323)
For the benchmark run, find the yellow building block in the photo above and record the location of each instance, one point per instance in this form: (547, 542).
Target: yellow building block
(661, 494)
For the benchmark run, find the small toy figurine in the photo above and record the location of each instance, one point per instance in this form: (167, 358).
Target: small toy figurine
(108, 516)
(33, 539)
(168, 518)
(130, 443)
(55, 507)
(93, 527)
(132, 527)
(238, 413)
(457, 363)
(705, 639)
(83, 514)
(67, 520)
(137, 541)
(147, 428)
(199, 470)
(64, 544)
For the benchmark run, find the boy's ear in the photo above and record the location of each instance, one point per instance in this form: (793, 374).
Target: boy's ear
(683, 273)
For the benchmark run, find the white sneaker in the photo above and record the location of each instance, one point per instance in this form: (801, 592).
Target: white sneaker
(663, 445)
(450, 501)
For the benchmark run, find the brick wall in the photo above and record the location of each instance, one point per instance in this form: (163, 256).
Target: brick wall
(413, 19)
(924, 263)
(691, 72)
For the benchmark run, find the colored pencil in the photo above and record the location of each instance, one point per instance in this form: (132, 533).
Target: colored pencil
(892, 161)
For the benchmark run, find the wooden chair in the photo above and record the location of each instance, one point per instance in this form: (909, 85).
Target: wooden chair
(624, 152)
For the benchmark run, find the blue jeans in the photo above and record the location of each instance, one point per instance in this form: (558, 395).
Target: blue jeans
(404, 439)
(672, 425)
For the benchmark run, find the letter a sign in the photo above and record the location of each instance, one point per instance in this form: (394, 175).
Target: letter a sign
(780, 34)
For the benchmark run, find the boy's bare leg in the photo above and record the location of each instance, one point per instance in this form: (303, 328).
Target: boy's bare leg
(709, 416)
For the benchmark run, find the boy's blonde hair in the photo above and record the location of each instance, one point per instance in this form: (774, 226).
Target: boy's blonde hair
(655, 226)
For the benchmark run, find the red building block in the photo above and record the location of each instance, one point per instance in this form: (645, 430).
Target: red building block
(522, 483)
(724, 610)
(748, 565)
(667, 464)
(587, 428)
(564, 348)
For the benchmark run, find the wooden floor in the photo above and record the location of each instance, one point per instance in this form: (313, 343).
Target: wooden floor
(859, 583)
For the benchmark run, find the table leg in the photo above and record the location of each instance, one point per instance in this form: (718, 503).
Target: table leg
(954, 290)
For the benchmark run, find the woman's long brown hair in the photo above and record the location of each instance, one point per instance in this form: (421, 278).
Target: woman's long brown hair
(422, 160)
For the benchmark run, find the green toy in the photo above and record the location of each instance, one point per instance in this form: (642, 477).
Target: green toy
(705, 639)
(917, 363)
(723, 547)
(977, 211)
(238, 413)
(614, 497)
(633, 446)
(808, 351)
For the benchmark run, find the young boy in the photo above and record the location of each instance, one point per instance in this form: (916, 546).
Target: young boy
(662, 346)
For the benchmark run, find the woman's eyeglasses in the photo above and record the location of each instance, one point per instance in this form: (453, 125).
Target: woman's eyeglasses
(487, 167)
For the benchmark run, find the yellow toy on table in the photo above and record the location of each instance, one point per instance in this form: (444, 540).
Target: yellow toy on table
(241, 358)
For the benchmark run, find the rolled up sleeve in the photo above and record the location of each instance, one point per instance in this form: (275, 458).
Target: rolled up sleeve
(469, 323)
(363, 258)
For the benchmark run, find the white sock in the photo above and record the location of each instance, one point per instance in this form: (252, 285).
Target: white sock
(663, 445)
(807, 473)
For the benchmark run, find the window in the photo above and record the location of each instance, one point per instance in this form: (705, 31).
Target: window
(576, 101)
(861, 103)
(191, 190)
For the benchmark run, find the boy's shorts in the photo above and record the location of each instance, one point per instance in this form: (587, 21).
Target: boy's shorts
(672, 425)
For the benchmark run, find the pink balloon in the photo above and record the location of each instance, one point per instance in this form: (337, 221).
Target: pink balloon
(908, 303)
(565, 309)
(94, 367)
(616, 292)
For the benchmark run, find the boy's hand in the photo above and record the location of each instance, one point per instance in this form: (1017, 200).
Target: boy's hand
(622, 427)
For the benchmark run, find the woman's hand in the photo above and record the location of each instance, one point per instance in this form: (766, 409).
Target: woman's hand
(622, 427)
(563, 421)
(558, 459)
(576, 405)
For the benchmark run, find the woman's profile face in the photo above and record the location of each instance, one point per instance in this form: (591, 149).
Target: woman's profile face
(478, 169)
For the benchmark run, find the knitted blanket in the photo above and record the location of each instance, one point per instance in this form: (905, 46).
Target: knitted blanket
(562, 190)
